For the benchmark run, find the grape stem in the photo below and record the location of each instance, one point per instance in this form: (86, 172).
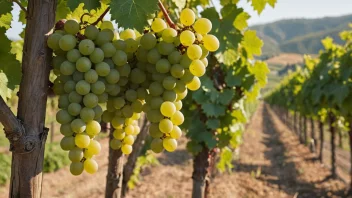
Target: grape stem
(21, 6)
(101, 16)
(166, 15)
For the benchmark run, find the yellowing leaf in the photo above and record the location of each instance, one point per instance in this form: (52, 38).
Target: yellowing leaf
(252, 43)
(241, 21)
(259, 5)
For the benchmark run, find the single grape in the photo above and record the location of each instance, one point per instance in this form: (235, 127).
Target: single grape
(97, 55)
(63, 117)
(63, 102)
(197, 68)
(154, 115)
(194, 84)
(169, 95)
(87, 114)
(141, 55)
(90, 166)
(82, 140)
(91, 76)
(156, 89)
(181, 95)
(211, 43)
(127, 34)
(103, 69)
(82, 87)
(83, 64)
(154, 130)
(156, 102)
(91, 32)
(117, 122)
(163, 66)
(165, 125)
(137, 76)
(158, 25)
(129, 139)
(69, 86)
(108, 49)
(194, 52)
(126, 149)
(157, 145)
(93, 128)
(131, 45)
(168, 109)
(77, 76)
(75, 155)
(187, 77)
(153, 56)
(170, 144)
(76, 168)
(169, 35)
(176, 132)
(53, 41)
(90, 100)
(98, 111)
(102, 98)
(71, 26)
(67, 143)
(66, 130)
(67, 68)
(177, 71)
(169, 83)
(115, 144)
(177, 118)
(73, 55)
(187, 17)
(148, 41)
(185, 61)
(86, 47)
(178, 105)
(74, 109)
(74, 97)
(104, 36)
(98, 88)
(165, 48)
(131, 95)
(187, 38)
(124, 70)
(107, 25)
(120, 58)
(127, 111)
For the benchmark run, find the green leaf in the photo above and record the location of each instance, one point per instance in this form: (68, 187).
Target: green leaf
(132, 13)
(213, 110)
(88, 4)
(241, 21)
(213, 123)
(62, 10)
(233, 80)
(194, 147)
(199, 96)
(208, 139)
(252, 43)
(340, 93)
(4, 91)
(225, 2)
(180, 3)
(259, 5)
(225, 162)
(260, 71)
(240, 115)
(5, 7)
(229, 57)
(272, 3)
(5, 20)
(226, 96)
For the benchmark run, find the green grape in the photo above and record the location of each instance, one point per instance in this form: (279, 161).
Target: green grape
(187, 77)
(169, 95)
(137, 76)
(86, 47)
(82, 140)
(108, 49)
(119, 134)
(120, 58)
(167, 109)
(156, 102)
(178, 105)
(58, 88)
(82, 87)
(113, 77)
(169, 83)
(177, 118)
(98, 88)
(78, 126)
(102, 98)
(73, 55)
(94, 147)
(181, 95)
(53, 41)
(170, 144)
(74, 109)
(194, 84)
(63, 117)
(103, 69)
(158, 25)
(154, 131)
(141, 93)
(127, 111)
(163, 66)
(158, 77)
(124, 70)
(131, 95)
(204, 61)
(97, 56)
(169, 35)
(98, 111)
(165, 48)
(104, 36)
(129, 139)
(187, 38)
(67, 42)
(137, 106)
(131, 45)
(142, 56)
(63, 102)
(90, 100)
(69, 86)
(67, 143)
(67, 68)
(148, 41)
(154, 115)
(57, 61)
(174, 57)
(165, 125)
(180, 87)
(119, 45)
(119, 102)
(63, 78)
(146, 107)
(156, 89)
(194, 52)
(93, 128)
(197, 68)
(71, 26)
(74, 97)
(127, 34)
(157, 145)
(91, 76)
(77, 76)
(211, 43)
(176, 132)
(107, 116)
(87, 114)
(107, 25)
(75, 155)
(187, 17)
(153, 56)
(126, 149)
(83, 64)
(66, 130)
(202, 26)
(76, 168)
(91, 32)
(185, 61)
(177, 71)
(115, 144)
(90, 166)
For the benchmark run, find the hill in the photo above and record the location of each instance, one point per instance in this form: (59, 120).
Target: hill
(300, 35)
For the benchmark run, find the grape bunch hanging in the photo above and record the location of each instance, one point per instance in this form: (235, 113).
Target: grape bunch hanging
(131, 74)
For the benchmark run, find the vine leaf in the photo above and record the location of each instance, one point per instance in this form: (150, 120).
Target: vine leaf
(180, 3)
(241, 21)
(88, 4)
(252, 43)
(213, 123)
(5, 20)
(213, 110)
(226, 96)
(260, 70)
(133, 13)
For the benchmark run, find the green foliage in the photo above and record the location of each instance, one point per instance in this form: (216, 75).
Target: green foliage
(5, 168)
(88, 4)
(54, 157)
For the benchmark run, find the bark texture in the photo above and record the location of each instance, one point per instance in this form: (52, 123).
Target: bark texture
(200, 173)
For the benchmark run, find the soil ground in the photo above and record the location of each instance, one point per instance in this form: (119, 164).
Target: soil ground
(271, 163)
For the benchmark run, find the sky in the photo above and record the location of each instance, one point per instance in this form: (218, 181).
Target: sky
(284, 9)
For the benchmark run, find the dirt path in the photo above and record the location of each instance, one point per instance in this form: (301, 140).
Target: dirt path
(272, 163)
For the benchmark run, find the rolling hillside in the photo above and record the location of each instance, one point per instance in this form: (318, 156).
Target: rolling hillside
(300, 35)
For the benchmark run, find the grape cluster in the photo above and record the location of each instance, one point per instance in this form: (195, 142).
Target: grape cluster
(86, 75)
(132, 74)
